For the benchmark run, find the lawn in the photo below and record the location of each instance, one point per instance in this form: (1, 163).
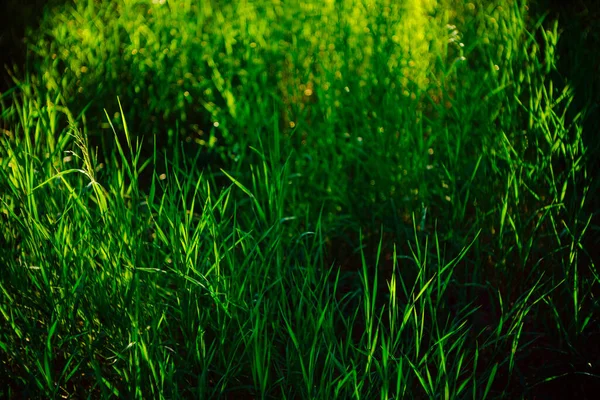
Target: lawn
(353, 199)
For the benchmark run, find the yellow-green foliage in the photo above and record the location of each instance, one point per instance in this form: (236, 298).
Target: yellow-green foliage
(175, 57)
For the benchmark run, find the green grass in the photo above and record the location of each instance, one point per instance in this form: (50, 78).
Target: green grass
(299, 199)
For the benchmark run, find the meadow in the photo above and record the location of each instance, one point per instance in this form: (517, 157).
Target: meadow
(352, 199)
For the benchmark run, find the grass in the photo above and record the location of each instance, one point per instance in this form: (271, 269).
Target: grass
(353, 199)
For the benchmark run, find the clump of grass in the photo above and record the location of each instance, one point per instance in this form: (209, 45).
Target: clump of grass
(399, 208)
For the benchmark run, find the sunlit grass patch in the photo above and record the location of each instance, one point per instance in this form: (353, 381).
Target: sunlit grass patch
(355, 199)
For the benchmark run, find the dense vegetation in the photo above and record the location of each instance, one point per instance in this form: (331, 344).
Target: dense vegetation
(300, 199)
